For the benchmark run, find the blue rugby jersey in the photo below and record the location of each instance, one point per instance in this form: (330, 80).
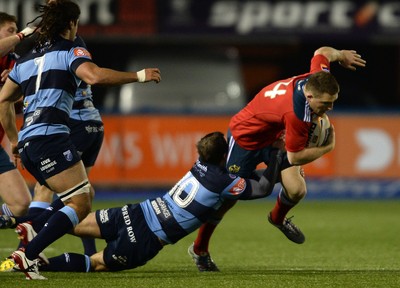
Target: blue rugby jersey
(48, 83)
(191, 201)
(83, 108)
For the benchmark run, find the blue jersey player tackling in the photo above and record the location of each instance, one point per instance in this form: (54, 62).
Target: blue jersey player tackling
(135, 233)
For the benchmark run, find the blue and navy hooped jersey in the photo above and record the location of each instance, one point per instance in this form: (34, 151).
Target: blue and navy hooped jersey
(191, 201)
(83, 108)
(48, 82)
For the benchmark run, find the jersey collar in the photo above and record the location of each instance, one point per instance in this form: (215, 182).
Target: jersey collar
(300, 105)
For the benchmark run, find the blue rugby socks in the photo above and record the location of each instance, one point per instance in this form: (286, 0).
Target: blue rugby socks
(68, 262)
(89, 246)
(58, 225)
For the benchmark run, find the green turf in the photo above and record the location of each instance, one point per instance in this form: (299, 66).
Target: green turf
(348, 244)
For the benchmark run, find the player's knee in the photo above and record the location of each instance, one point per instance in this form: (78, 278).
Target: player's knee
(92, 192)
(84, 210)
(78, 197)
(22, 207)
(297, 194)
(19, 208)
(81, 188)
(302, 193)
(97, 263)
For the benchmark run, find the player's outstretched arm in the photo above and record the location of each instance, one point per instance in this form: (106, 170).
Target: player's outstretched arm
(349, 59)
(95, 75)
(8, 43)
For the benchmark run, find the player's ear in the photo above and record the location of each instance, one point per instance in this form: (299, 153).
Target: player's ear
(73, 23)
(307, 93)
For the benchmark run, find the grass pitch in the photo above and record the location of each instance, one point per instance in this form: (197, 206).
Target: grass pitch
(348, 244)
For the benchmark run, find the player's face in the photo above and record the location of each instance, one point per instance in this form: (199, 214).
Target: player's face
(8, 29)
(321, 105)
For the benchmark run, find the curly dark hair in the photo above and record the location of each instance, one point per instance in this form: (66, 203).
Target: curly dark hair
(212, 148)
(56, 17)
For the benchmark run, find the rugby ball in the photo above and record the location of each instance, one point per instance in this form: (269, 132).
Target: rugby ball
(319, 131)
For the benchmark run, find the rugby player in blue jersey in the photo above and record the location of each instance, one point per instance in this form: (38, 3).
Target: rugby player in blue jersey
(87, 133)
(135, 233)
(48, 77)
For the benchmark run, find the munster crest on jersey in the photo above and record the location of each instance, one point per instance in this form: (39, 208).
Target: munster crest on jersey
(234, 169)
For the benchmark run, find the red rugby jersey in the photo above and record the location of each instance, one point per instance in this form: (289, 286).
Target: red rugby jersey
(280, 107)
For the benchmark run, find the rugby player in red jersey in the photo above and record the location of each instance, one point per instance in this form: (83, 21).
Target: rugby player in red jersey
(281, 110)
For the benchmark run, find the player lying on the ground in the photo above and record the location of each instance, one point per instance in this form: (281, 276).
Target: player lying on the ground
(135, 233)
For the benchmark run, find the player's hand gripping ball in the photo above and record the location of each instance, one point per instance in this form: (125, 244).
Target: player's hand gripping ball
(319, 131)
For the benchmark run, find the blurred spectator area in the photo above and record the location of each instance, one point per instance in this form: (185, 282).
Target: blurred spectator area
(219, 78)
(195, 80)
(217, 54)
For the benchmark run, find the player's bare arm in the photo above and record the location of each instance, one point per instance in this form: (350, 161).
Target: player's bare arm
(308, 155)
(9, 94)
(7, 44)
(349, 59)
(95, 75)
(4, 75)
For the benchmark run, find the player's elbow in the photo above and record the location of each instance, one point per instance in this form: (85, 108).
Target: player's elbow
(95, 77)
(91, 79)
(324, 50)
(90, 73)
(295, 158)
(330, 53)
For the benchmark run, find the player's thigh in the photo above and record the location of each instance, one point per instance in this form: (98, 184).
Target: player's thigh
(294, 182)
(88, 227)
(68, 178)
(13, 189)
(52, 157)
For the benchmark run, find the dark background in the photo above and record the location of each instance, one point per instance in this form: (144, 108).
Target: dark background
(267, 52)
(374, 88)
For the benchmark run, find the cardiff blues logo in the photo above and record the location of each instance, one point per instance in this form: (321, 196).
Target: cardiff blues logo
(234, 169)
(68, 155)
